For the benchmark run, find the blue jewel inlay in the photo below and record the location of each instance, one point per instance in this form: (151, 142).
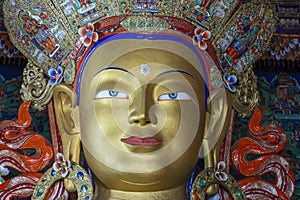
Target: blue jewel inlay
(207, 173)
(89, 33)
(199, 37)
(80, 175)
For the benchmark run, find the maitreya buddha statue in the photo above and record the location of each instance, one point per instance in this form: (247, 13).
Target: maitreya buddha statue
(145, 88)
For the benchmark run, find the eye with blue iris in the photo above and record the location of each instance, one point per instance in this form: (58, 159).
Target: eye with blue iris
(111, 94)
(174, 96)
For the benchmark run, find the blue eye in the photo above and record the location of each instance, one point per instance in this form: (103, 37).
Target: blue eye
(174, 96)
(111, 94)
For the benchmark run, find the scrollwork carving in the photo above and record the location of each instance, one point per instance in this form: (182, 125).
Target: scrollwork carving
(246, 97)
(35, 87)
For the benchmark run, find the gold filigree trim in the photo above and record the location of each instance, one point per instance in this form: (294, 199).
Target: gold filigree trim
(145, 24)
(35, 87)
(246, 96)
(76, 174)
(215, 78)
(207, 177)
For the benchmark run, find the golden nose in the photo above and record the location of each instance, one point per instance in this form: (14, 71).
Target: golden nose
(139, 106)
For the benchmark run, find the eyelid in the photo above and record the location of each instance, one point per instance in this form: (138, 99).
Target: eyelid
(174, 96)
(111, 94)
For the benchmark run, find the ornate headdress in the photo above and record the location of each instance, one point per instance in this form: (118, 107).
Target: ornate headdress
(54, 35)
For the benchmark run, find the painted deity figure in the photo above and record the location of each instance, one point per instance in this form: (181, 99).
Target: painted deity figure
(246, 36)
(38, 32)
(140, 115)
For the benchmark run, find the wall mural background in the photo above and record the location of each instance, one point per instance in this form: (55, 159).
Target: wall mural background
(279, 102)
(10, 100)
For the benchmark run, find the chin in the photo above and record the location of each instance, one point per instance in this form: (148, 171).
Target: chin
(171, 176)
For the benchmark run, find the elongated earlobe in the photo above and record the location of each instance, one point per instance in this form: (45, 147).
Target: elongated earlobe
(218, 119)
(65, 104)
(67, 119)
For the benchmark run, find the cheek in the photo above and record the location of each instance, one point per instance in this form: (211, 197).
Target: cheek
(89, 127)
(112, 116)
(172, 117)
(182, 121)
(191, 118)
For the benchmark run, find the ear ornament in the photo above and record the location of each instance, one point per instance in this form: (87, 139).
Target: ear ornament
(217, 175)
(64, 169)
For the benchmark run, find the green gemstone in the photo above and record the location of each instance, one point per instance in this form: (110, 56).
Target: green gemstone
(239, 192)
(39, 192)
(202, 183)
(84, 188)
(123, 4)
(141, 24)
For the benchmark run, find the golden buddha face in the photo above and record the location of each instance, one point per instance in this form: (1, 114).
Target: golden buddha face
(141, 119)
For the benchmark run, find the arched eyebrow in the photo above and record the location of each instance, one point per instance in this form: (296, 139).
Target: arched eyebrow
(115, 68)
(176, 70)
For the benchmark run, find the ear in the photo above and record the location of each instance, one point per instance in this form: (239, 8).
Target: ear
(67, 120)
(217, 124)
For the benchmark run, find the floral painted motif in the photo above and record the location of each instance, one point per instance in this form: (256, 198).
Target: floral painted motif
(55, 75)
(88, 35)
(200, 37)
(61, 165)
(229, 81)
(220, 175)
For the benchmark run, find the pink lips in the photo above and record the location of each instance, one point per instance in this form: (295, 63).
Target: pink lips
(137, 141)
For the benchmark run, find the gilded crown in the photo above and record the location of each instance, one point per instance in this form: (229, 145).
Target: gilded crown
(53, 35)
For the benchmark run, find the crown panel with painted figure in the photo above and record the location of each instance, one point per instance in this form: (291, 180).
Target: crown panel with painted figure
(57, 33)
(36, 31)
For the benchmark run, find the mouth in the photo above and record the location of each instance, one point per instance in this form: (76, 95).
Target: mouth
(146, 142)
